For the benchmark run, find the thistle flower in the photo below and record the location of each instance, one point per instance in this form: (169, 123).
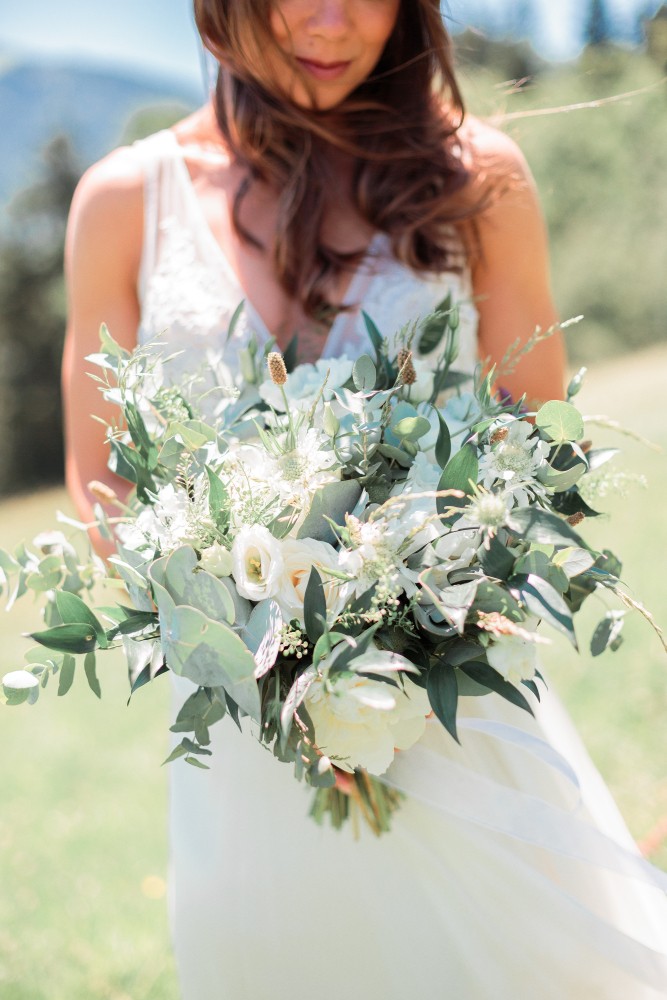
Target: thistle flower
(406, 369)
(277, 370)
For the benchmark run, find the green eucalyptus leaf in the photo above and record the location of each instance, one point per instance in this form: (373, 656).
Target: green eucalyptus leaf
(314, 606)
(443, 694)
(411, 428)
(364, 374)
(261, 634)
(90, 667)
(20, 686)
(608, 632)
(485, 675)
(560, 422)
(443, 447)
(537, 525)
(66, 675)
(543, 600)
(75, 638)
(331, 502)
(73, 610)
(460, 472)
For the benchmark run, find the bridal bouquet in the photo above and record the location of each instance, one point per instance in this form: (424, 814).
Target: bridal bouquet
(334, 551)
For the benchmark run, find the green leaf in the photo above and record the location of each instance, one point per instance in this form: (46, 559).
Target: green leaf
(90, 667)
(461, 470)
(443, 693)
(411, 428)
(497, 561)
(374, 334)
(484, 674)
(561, 481)
(364, 374)
(443, 447)
(537, 525)
(434, 326)
(20, 686)
(218, 499)
(66, 675)
(332, 502)
(314, 607)
(290, 354)
(76, 638)
(74, 611)
(543, 600)
(608, 632)
(560, 422)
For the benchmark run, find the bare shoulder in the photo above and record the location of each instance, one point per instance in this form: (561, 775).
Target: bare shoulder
(492, 154)
(112, 185)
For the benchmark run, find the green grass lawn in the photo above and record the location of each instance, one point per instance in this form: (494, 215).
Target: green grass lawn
(83, 854)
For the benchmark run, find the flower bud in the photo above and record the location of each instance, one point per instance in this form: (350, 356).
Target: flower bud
(102, 492)
(575, 519)
(277, 369)
(576, 383)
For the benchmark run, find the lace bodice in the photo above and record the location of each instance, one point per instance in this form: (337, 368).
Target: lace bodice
(189, 291)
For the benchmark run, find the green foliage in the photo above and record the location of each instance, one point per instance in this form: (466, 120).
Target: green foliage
(32, 323)
(600, 173)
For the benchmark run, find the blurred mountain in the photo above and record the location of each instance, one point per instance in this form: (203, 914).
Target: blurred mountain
(39, 100)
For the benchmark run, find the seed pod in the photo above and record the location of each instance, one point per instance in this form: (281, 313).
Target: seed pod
(406, 369)
(574, 520)
(277, 369)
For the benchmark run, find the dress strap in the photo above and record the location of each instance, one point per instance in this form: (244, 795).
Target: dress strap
(156, 155)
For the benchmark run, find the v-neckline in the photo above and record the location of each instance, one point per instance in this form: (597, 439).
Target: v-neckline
(359, 281)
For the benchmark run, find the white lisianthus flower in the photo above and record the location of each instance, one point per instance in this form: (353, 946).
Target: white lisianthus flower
(305, 383)
(360, 721)
(216, 559)
(299, 557)
(257, 562)
(514, 658)
(515, 457)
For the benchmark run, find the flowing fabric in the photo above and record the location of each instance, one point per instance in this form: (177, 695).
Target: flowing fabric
(508, 874)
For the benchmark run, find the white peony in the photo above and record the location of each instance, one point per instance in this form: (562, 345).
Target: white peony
(514, 658)
(299, 556)
(360, 721)
(257, 562)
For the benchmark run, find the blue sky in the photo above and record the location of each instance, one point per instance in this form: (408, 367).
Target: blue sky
(158, 36)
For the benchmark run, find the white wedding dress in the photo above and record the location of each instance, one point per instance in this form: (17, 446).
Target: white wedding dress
(508, 873)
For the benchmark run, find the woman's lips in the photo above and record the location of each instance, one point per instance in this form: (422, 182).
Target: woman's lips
(323, 71)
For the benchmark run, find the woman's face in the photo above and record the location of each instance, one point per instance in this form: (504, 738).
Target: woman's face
(336, 45)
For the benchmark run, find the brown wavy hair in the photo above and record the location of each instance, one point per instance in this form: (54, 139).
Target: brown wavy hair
(400, 127)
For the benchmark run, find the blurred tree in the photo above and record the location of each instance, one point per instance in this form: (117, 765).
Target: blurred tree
(32, 323)
(598, 26)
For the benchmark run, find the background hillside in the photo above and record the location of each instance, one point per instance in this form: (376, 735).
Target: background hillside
(39, 100)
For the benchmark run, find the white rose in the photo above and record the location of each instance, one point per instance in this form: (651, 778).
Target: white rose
(257, 562)
(299, 556)
(362, 720)
(514, 658)
(217, 560)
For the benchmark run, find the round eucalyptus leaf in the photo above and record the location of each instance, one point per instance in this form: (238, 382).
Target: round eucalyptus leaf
(19, 686)
(560, 422)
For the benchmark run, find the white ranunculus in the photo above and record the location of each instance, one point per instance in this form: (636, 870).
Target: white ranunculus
(514, 658)
(299, 557)
(216, 559)
(361, 721)
(257, 562)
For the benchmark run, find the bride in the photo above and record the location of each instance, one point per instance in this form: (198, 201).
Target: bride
(333, 171)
